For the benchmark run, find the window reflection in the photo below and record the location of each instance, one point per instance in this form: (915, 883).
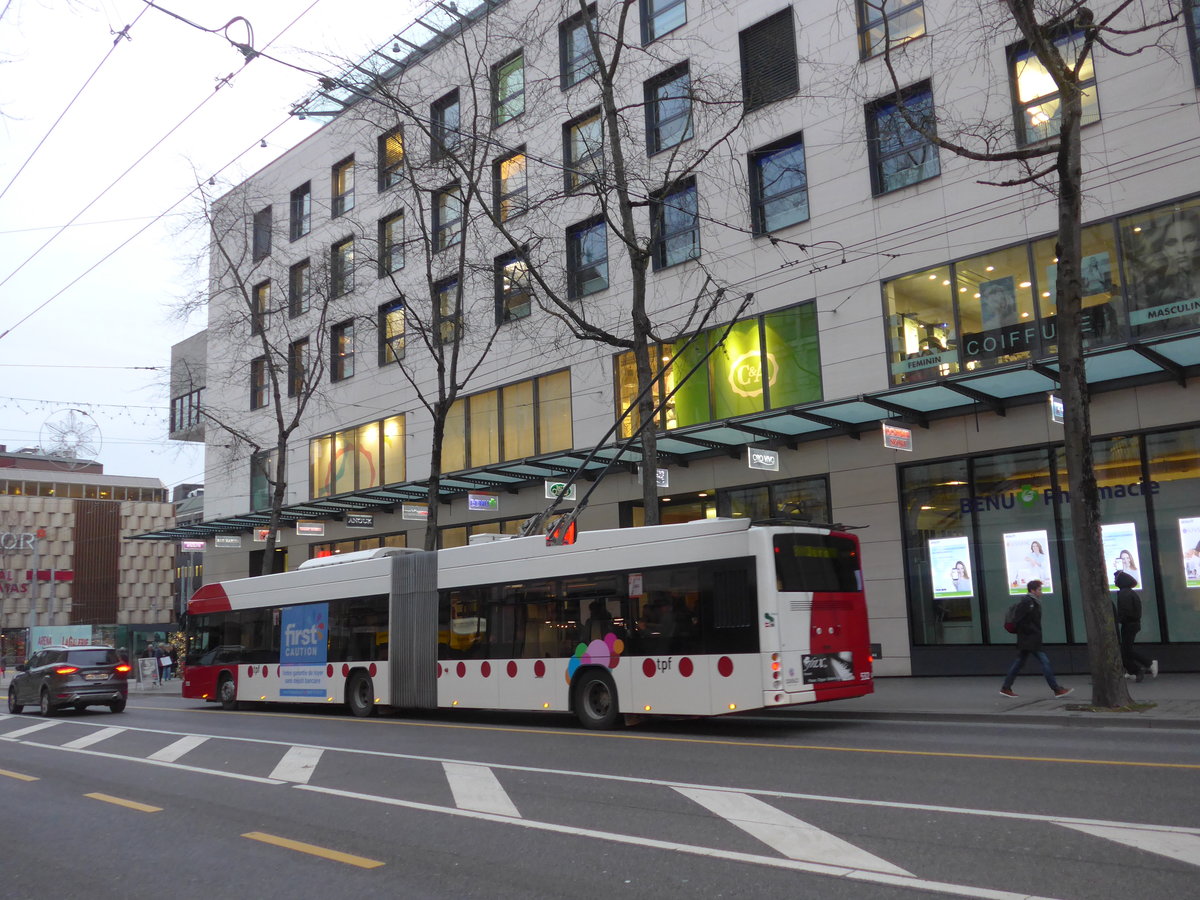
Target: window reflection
(1100, 276)
(921, 326)
(995, 304)
(1162, 261)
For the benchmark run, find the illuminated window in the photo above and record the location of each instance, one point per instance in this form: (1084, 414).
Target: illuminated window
(511, 186)
(365, 456)
(523, 419)
(341, 351)
(260, 317)
(900, 154)
(449, 310)
(922, 337)
(342, 178)
(391, 332)
(391, 158)
(508, 89)
(884, 23)
(258, 382)
(583, 150)
(513, 294)
(297, 367)
(1038, 104)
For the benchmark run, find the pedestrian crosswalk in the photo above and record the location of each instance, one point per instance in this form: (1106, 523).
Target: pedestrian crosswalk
(774, 821)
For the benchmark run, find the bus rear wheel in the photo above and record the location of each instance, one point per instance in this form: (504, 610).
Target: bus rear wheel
(596, 700)
(360, 695)
(227, 693)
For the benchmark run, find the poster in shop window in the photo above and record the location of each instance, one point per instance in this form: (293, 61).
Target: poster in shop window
(1026, 559)
(950, 567)
(1189, 539)
(1120, 551)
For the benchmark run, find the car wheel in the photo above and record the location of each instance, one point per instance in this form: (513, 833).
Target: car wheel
(13, 706)
(46, 708)
(227, 693)
(117, 705)
(360, 695)
(596, 700)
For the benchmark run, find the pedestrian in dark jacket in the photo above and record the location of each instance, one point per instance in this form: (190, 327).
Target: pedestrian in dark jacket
(1029, 641)
(1129, 623)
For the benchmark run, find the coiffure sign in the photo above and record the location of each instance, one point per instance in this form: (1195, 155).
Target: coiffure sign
(20, 540)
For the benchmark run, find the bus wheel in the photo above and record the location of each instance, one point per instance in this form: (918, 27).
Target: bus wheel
(360, 695)
(596, 699)
(227, 693)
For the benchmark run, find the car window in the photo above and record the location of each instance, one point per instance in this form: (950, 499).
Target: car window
(36, 660)
(100, 657)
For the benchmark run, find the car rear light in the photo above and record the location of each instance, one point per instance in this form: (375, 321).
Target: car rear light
(123, 668)
(66, 670)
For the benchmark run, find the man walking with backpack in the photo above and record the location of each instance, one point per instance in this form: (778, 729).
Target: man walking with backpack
(1028, 620)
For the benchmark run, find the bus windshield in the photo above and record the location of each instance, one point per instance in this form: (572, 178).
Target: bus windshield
(817, 562)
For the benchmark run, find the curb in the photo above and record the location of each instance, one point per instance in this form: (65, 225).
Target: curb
(1075, 720)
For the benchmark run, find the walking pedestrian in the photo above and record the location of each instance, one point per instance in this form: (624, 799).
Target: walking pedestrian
(1028, 618)
(1129, 623)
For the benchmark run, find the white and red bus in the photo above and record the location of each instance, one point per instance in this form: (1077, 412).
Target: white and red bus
(696, 619)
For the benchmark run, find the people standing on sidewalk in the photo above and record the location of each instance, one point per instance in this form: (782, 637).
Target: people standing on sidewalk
(1129, 623)
(1028, 619)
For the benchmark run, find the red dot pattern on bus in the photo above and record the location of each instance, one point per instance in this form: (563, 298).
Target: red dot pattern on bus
(486, 669)
(539, 669)
(462, 670)
(686, 667)
(725, 666)
(512, 668)
(648, 668)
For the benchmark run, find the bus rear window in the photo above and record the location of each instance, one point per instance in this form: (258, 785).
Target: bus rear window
(816, 562)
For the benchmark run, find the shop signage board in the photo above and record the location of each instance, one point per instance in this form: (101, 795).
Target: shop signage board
(483, 502)
(228, 541)
(310, 529)
(1056, 409)
(360, 520)
(555, 489)
(766, 460)
(193, 546)
(897, 438)
(414, 512)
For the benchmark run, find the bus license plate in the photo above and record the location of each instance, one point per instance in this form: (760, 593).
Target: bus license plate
(821, 667)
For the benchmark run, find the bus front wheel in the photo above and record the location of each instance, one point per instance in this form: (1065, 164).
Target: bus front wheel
(227, 693)
(360, 695)
(596, 700)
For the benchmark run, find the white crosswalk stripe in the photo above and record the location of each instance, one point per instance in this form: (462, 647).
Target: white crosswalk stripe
(21, 732)
(297, 764)
(172, 752)
(786, 834)
(476, 788)
(1178, 845)
(101, 734)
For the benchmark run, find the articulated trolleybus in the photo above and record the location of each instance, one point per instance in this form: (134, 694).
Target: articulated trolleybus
(697, 619)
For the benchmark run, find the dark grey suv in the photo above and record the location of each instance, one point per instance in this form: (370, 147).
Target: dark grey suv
(57, 677)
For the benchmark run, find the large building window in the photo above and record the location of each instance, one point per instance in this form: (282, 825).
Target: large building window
(364, 456)
(587, 258)
(391, 244)
(900, 154)
(391, 332)
(583, 150)
(770, 70)
(341, 351)
(391, 158)
(449, 304)
(300, 211)
(510, 185)
(888, 23)
(508, 89)
(260, 316)
(1036, 97)
(575, 48)
(523, 419)
(513, 294)
(447, 217)
(668, 109)
(258, 382)
(660, 17)
(342, 187)
(675, 227)
(778, 185)
(1162, 265)
(297, 367)
(299, 287)
(186, 410)
(341, 267)
(262, 476)
(444, 116)
(262, 234)
(771, 361)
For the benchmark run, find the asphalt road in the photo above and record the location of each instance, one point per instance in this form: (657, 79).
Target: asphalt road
(174, 798)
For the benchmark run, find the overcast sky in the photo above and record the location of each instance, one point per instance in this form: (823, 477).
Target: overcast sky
(101, 342)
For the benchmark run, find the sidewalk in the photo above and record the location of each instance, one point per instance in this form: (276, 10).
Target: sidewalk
(977, 699)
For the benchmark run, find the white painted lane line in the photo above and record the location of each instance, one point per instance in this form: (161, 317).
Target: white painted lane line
(1174, 845)
(476, 787)
(297, 764)
(95, 737)
(790, 836)
(795, 865)
(154, 762)
(172, 752)
(21, 732)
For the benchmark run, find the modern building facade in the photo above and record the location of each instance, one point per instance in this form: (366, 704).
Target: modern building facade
(69, 571)
(879, 310)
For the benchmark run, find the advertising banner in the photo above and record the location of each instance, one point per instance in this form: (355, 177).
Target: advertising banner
(60, 636)
(303, 643)
(1189, 539)
(1026, 560)
(949, 566)
(1120, 551)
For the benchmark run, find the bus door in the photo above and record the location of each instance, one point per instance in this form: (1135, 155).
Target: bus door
(822, 611)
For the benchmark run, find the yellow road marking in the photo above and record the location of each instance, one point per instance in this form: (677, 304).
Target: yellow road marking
(762, 745)
(18, 776)
(132, 804)
(336, 855)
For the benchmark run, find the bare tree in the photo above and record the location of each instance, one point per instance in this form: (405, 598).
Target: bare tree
(1061, 35)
